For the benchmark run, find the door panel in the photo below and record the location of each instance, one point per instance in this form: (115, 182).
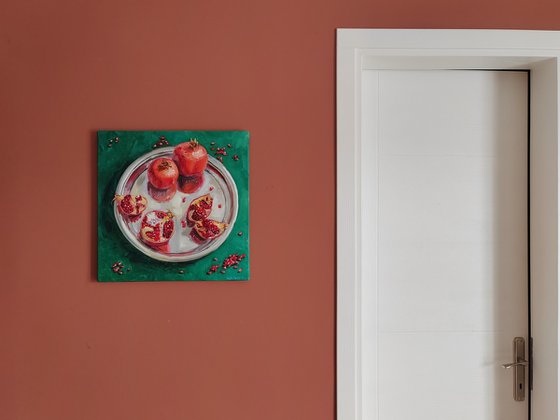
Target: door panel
(452, 254)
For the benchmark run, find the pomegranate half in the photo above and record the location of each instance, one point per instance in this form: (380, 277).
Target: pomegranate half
(199, 209)
(157, 227)
(131, 206)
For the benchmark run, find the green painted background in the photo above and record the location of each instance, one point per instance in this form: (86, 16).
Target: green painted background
(112, 245)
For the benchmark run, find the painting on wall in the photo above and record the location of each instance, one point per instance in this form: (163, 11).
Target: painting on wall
(173, 205)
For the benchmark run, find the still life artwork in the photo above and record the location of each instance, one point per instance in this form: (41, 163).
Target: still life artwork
(173, 205)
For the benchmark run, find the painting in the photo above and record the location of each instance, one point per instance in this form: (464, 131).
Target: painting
(173, 205)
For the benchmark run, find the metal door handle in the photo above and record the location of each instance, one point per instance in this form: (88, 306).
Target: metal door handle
(519, 363)
(519, 366)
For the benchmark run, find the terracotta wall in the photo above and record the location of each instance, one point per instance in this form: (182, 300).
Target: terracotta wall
(71, 348)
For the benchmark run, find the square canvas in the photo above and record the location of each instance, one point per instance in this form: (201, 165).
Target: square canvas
(173, 205)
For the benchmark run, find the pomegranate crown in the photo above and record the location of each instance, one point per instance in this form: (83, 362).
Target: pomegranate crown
(193, 143)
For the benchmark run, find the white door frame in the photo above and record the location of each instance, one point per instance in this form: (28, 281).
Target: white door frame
(363, 49)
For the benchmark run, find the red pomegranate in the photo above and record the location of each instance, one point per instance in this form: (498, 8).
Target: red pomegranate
(209, 229)
(129, 205)
(199, 209)
(191, 157)
(162, 173)
(157, 227)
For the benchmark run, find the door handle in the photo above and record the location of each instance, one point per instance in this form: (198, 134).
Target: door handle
(518, 367)
(520, 363)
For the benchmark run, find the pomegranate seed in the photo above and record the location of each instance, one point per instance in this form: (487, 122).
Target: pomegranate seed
(240, 270)
(181, 271)
(229, 145)
(239, 233)
(223, 271)
(213, 143)
(116, 139)
(110, 145)
(211, 188)
(235, 157)
(215, 259)
(219, 206)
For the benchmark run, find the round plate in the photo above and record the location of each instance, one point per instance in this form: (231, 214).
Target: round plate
(217, 182)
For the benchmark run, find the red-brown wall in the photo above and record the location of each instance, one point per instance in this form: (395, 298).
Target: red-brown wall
(71, 348)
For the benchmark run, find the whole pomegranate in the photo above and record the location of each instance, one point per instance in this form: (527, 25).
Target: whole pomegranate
(163, 173)
(191, 158)
(157, 227)
(130, 205)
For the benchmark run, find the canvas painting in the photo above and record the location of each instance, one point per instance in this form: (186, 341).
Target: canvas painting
(173, 205)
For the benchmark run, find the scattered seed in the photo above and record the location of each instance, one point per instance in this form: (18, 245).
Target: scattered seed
(181, 271)
(239, 233)
(215, 259)
(233, 259)
(213, 269)
(219, 206)
(110, 145)
(211, 188)
(110, 140)
(240, 270)
(120, 273)
(213, 143)
(235, 157)
(223, 271)
(229, 145)
(116, 139)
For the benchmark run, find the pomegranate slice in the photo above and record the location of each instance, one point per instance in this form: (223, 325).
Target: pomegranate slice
(209, 229)
(199, 209)
(130, 205)
(157, 227)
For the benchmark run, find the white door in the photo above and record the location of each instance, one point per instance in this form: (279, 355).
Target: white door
(450, 243)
